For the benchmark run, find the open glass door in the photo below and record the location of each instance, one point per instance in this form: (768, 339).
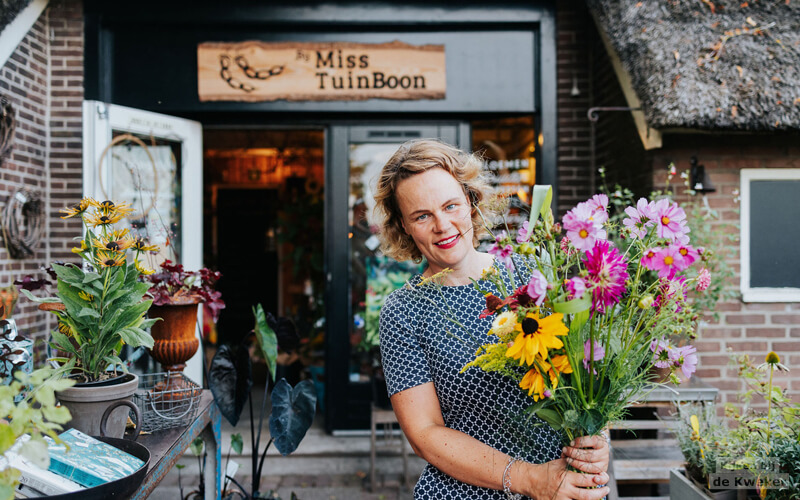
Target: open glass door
(154, 162)
(359, 276)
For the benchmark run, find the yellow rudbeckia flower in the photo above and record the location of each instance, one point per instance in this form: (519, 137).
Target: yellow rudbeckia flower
(534, 380)
(561, 363)
(110, 259)
(536, 336)
(141, 245)
(142, 270)
(78, 208)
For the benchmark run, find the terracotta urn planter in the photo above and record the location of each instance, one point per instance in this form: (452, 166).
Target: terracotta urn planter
(174, 335)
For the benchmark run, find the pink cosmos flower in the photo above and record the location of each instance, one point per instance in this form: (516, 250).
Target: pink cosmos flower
(703, 280)
(683, 236)
(661, 353)
(685, 358)
(607, 274)
(669, 217)
(537, 287)
(667, 262)
(598, 206)
(547, 393)
(576, 287)
(689, 254)
(639, 218)
(599, 353)
(583, 230)
(523, 233)
(502, 252)
(649, 258)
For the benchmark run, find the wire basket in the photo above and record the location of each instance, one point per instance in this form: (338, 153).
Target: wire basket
(167, 400)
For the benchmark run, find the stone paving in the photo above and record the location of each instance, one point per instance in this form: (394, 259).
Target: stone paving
(305, 487)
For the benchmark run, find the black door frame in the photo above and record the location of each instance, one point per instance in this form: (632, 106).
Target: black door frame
(341, 395)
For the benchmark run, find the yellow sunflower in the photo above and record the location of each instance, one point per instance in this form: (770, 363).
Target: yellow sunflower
(77, 208)
(140, 245)
(110, 259)
(142, 270)
(534, 381)
(536, 336)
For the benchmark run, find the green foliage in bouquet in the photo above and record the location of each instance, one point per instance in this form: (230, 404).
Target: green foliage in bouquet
(36, 414)
(100, 306)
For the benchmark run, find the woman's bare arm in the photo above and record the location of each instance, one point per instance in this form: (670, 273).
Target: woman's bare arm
(473, 462)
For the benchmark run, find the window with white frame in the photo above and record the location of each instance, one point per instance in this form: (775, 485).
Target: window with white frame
(770, 235)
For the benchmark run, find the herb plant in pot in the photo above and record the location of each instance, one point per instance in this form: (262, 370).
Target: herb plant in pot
(176, 294)
(100, 307)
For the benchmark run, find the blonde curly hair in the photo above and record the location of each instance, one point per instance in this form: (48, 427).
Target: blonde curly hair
(412, 158)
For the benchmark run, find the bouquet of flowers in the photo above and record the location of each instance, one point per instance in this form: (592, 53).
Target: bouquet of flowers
(587, 322)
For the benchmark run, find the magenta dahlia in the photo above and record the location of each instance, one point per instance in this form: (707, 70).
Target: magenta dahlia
(608, 271)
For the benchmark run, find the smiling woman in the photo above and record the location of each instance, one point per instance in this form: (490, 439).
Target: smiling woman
(461, 422)
(426, 177)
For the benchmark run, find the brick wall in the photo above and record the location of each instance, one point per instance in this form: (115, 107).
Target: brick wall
(43, 80)
(742, 328)
(574, 32)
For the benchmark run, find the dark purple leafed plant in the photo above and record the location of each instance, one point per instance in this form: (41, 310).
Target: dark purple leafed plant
(172, 284)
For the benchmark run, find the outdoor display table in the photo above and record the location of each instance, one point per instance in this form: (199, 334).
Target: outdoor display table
(167, 446)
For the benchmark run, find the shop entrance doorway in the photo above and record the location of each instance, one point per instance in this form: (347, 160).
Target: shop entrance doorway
(264, 212)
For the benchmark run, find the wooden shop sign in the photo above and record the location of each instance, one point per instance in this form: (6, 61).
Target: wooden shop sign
(335, 71)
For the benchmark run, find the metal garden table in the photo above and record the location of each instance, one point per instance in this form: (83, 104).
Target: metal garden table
(167, 446)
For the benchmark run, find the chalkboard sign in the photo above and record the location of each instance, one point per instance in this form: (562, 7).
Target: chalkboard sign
(774, 233)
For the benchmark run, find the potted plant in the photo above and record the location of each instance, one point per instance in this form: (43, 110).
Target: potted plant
(757, 456)
(176, 294)
(100, 307)
(292, 408)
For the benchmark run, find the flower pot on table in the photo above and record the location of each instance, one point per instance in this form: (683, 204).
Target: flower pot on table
(174, 336)
(90, 403)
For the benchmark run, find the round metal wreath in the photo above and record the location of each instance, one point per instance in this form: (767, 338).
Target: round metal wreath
(22, 223)
(7, 125)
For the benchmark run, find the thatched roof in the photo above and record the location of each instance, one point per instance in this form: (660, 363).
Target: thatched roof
(9, 10)
(709, 64)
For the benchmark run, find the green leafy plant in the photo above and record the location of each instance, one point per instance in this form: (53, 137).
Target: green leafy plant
(100, 306)
(292, 408)
(36, 414)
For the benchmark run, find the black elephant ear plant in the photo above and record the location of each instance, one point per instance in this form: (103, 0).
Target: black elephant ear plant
(100, 306)
(292, 408)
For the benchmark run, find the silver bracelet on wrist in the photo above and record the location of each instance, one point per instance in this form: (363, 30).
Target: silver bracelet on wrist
(507, 481)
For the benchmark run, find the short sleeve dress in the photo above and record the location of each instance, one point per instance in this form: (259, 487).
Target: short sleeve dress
(419, 345)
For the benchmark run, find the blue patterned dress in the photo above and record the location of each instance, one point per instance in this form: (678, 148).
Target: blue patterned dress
(416, 348)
